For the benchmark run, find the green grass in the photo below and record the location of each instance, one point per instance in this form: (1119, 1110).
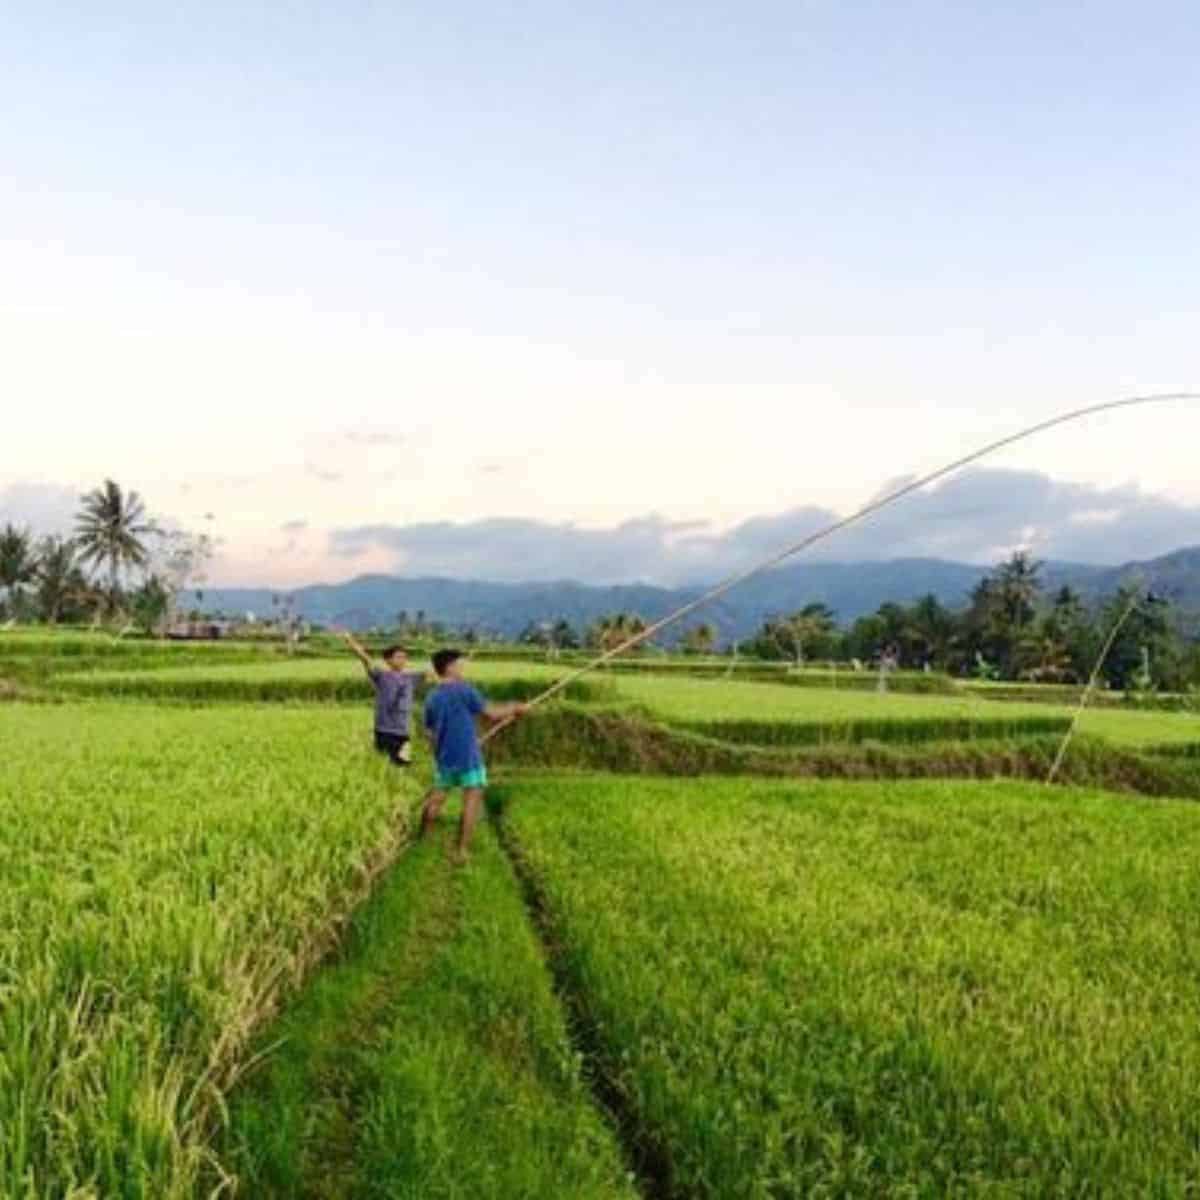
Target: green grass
(912, 730)
(429, 1061)
(783, 673)
(37, 656)
(164, 877)
(884, 989)
(692, 701)
(302, 681)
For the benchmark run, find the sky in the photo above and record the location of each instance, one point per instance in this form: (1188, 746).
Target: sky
(618, 291)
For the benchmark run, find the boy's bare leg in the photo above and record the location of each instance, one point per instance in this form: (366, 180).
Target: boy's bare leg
(472, 803)
(431, 810)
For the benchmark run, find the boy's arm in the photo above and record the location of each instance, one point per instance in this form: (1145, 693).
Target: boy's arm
(359, 650)
(506, 712)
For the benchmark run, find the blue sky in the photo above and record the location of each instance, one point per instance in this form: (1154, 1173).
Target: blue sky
(367, 266)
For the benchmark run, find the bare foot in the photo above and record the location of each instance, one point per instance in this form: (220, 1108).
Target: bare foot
(460, 858)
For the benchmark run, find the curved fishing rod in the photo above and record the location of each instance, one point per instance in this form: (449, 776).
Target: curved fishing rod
(881, 502)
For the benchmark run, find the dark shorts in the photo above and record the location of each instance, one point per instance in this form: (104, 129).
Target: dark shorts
(394, 745)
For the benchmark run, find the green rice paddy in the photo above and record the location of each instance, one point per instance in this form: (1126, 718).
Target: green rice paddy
(224, 969)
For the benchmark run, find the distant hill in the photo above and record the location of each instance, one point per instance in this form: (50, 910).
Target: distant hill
(1175, 576)
(850, 589)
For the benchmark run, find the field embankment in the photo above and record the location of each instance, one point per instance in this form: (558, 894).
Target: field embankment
(598, 739)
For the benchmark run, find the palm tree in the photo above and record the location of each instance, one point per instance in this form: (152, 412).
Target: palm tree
(700, 639)
(811, 628)
(16, 560)
(1019, 582)
(931, 628)
(1049, 659)
(110, 527)
(59, 580)
(609, 632)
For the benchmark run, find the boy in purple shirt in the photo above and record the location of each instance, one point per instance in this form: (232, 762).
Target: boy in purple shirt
(450, 713)
(394, 690)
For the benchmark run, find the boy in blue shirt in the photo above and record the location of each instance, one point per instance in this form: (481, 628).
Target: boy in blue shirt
(450, 712)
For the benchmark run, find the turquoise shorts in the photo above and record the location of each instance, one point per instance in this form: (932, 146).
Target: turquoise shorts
(476, 777)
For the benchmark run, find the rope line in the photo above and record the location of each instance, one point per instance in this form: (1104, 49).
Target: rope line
(867, 510)
(1118, 625)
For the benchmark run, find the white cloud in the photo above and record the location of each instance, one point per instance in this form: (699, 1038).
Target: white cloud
(976, 517)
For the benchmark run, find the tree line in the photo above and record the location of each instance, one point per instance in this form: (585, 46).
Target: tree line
(1011, 628)
(121, 565)
(118, 565)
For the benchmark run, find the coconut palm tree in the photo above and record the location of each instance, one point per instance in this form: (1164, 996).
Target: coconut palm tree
(110, 528)
(615, 630)
(1019, 582)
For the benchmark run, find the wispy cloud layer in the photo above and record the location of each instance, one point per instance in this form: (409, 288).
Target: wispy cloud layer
(976, 517)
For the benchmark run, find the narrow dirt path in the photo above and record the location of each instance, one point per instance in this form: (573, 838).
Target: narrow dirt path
(431, 1061)
(294, 1129)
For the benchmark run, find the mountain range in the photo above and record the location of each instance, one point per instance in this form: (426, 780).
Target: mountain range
(850, 589)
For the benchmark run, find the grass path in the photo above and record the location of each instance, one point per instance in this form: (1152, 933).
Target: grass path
(431, 1060)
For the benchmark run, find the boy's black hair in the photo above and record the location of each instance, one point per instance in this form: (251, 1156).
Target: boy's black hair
(388, 651)
(443, 658)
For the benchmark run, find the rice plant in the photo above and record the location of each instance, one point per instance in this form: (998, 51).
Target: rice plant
(883, 989)
(164, 877)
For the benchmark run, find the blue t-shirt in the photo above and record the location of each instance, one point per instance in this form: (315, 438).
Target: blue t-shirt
(450, 713)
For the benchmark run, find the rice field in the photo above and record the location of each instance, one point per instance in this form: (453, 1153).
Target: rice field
(225, 971)
(702, 700)
(885, 990)
(166, 876)
(324, 681)
(703, 704)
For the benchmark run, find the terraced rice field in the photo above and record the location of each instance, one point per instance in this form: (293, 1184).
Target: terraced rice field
(323, 680)
(703, 700)
(676, 987)
(698, 703)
